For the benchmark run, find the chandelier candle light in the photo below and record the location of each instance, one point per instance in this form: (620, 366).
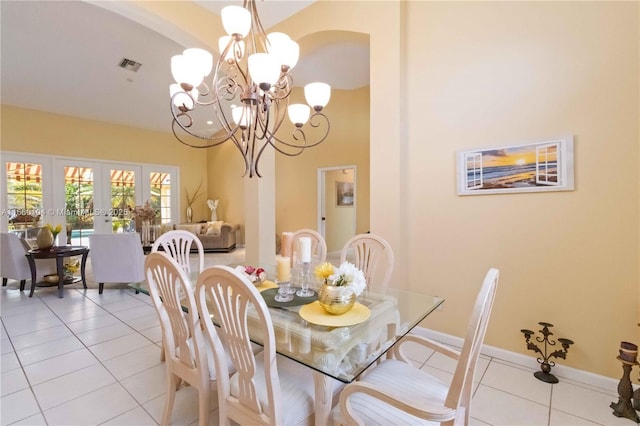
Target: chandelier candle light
(249, 92)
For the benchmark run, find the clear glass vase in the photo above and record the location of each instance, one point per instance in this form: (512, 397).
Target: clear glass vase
(146, 233)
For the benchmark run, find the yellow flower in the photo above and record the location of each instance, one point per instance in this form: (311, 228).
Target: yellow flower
(323, 271)
(71, 267)
(54, 230)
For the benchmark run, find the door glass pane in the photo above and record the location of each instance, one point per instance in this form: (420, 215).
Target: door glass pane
(123, 199)
(24, 198)
(78, 201)
(161, 195)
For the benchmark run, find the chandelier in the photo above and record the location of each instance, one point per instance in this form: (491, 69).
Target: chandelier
(247, 97)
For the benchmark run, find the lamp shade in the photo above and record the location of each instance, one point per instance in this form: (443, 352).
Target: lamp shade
(200, 59)
(283, 48)
(317, 94)
(299, 113)
(236, 20)
(241, 116)
(264, 68)
(183, 71)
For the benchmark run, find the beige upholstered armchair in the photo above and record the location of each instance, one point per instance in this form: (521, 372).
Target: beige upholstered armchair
(116, 258)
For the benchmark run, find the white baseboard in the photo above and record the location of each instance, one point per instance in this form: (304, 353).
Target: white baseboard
(570, 373)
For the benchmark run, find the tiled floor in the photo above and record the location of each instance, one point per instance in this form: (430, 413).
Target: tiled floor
(90, 359)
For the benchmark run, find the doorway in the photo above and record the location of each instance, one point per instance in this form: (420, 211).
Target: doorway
(337, 195)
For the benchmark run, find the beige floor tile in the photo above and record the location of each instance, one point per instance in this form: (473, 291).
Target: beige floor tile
(38, 353)
(8, 362)
(39, 337)
(138, 417)
(93, 408)
(57, 366)
(119, 346)
(18, 406)
(517, 381)
(73, 385)
(585, 403)
(104, 334)
(499, 408)
(559, 418)
(13, 381)
(148, 384)
(134, 362)
(92, 323)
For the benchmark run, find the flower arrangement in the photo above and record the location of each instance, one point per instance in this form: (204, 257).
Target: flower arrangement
(55, 230)
(253, 274)
(71, 267)
(144, 212)
(345, 275)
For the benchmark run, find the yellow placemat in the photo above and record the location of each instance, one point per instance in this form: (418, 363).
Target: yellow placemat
(266, 284)
(314, 314)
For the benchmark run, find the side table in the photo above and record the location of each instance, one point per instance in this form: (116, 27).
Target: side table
(58, 253)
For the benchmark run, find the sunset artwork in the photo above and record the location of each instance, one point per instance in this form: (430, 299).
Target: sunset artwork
(520, 168)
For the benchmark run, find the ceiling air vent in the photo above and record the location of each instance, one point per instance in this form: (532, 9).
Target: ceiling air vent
(130, 65)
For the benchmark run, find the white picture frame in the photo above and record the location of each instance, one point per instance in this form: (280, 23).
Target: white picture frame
(540, 166)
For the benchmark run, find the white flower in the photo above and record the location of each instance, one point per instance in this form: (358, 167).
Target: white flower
(348, 275)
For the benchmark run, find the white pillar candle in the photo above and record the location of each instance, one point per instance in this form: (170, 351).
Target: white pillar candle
(283, 269)
(305, 249)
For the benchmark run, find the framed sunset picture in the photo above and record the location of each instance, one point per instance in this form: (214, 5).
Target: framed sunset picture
(531, 167)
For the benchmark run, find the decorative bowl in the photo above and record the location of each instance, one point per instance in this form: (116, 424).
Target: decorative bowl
(336, 300)
(51, 279)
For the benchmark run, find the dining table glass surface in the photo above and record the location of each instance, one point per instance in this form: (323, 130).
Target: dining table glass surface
(349, 343)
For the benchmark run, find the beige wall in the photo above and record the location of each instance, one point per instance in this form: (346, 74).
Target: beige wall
(37, 132)
(487, 74)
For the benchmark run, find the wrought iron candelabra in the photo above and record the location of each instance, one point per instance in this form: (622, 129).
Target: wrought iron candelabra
(545, 357)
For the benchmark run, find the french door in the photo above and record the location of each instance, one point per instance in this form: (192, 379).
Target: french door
(83, 196)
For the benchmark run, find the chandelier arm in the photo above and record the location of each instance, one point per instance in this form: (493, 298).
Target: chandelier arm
(284, 85)
(316, 116)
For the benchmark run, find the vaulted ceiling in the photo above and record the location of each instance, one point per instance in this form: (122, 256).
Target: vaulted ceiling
(64, 57)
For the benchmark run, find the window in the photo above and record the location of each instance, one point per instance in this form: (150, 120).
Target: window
(547, 164)
(123, 198)
(24, 194)
(78, 203)
(473, 162)
(160, 184)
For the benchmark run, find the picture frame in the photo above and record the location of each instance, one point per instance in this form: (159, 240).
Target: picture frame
(344, 194)
(540, 166)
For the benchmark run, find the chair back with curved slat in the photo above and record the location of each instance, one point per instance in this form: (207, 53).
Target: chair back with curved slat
(318, 245)
(223, 293)
(177, 243)
(185, 348)
(367, 252)
(397, 392)
(460, 390)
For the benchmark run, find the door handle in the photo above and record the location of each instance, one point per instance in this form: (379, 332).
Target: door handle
(324, 218)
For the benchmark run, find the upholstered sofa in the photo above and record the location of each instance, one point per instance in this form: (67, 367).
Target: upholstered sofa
(215, 236)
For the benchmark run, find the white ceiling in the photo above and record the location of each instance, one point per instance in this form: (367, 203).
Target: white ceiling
(63, 57)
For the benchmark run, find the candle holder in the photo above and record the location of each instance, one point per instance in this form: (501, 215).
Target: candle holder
(624, 407)
(305, 291)
(545, 358)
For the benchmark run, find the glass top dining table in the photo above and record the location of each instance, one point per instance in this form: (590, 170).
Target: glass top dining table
(345, 349)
